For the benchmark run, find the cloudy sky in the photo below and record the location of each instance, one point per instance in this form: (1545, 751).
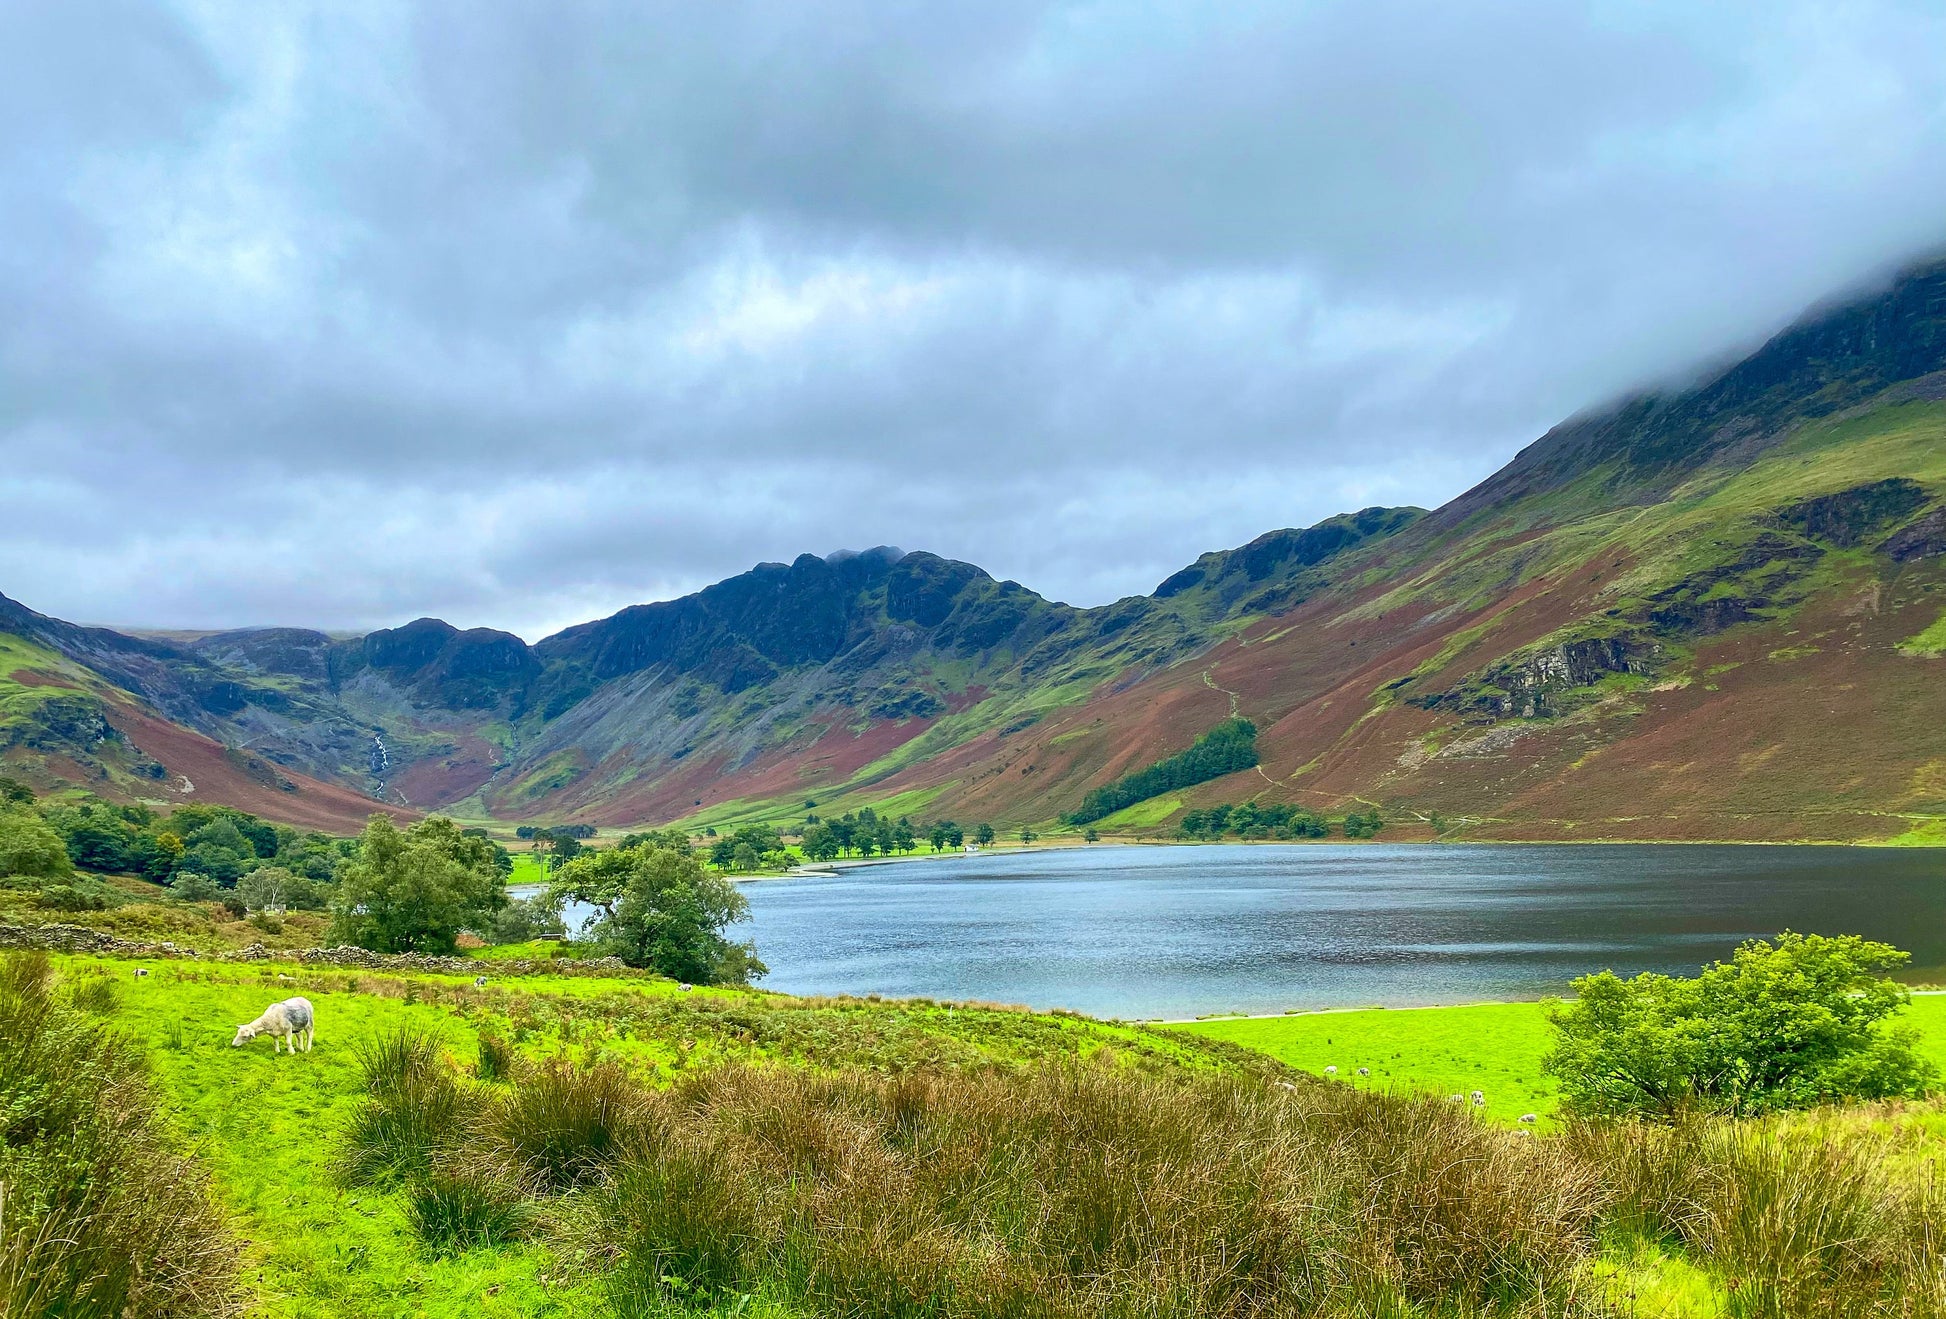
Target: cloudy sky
(516, 313)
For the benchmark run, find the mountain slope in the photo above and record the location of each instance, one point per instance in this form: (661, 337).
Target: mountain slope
(1709, 612)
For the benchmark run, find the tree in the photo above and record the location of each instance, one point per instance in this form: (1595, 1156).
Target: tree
(525, 919)
(1783, 1024)
(983, 834)
(819, 843)
(274, 887)
(29, 847)
(190, 886)
(1027, 835)
(415, 891)
(1091, 835)
(1364, 825)
(670, 915)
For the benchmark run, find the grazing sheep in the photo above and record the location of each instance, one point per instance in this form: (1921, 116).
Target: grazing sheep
(1530, 1117)
(1331, 1071)
(1457, 1099)
(285, 1023)
(1479, 1098)
(479, 982)
(141, 971)
(685, 988)
(1364, 1071)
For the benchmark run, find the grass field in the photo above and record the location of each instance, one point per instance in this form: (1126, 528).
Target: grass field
(835, 1087)
(1495, 1048)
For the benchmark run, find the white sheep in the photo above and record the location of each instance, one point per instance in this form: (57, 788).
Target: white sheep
(1364, 1071)
(1479, 1098)
(685, 987)
(1530, 1117)
(1331, 1071)
(1457, 1099)
(285, 1023)
(141, 971)
(479, 982)
(1523, 1131)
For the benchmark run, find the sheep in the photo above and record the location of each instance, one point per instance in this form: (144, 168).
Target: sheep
(1457, 1099)
(141, 971)
(479, 982)
(1530, 1117)
(1286, 1085)
(1479, 1098)
(1523, 1131)
(685, 987)
(1364, 1071)
(1331, 1071)
(285, 1023)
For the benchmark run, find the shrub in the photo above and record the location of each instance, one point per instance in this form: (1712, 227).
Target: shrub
(71, 897)
(102, 1216)
(1782, 1024)
(413, 1110)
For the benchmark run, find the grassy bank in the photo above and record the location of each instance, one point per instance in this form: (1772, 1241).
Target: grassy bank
(594, 1146)
(1495, 1048)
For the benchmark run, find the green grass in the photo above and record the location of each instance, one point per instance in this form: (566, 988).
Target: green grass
(1491, 1047)
(1141, 815)
(1929, 644)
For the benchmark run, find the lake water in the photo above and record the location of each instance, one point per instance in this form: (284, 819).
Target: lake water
(1184, 931)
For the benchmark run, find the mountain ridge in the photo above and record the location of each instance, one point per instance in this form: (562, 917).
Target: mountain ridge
(1473, 661)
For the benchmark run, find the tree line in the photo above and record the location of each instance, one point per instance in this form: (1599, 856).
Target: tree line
(1225, 749)
(1277, 820)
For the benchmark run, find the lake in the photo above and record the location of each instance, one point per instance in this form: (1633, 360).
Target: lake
(1182, 931)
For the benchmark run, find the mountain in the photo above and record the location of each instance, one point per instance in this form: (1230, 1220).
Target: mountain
(1712, 611)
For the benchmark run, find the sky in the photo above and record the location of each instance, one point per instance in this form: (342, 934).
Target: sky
(338, 315)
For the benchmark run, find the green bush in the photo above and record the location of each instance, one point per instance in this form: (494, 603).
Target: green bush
(71, 897)
(1789, 1023)
(194, 886)
(416, 891)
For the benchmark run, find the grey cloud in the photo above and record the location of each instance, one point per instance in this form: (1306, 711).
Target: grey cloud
(520, 313)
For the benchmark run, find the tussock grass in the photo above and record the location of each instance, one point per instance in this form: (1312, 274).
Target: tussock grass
(1087, 1191)
(562, 1126)
(460, 1209)
(413, 1109)
(96, 994)
(100, 1215)
(496, 1060)
(1820, 1215)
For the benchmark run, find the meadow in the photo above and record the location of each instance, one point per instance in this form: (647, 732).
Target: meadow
(586, 1145)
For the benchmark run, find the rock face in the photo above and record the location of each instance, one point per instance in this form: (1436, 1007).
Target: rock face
(1924, 538)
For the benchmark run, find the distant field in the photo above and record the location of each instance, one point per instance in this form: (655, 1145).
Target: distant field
(1492, 1047)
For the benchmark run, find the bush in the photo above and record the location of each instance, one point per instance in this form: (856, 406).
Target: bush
(663, 911)
(1783, 1024)
(103, 1217)
(71, 897)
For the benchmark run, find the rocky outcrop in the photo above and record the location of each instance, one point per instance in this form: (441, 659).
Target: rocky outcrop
(1537, 685)
(1923, 539)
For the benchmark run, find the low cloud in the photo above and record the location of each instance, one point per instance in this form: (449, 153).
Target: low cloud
(518, 314)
